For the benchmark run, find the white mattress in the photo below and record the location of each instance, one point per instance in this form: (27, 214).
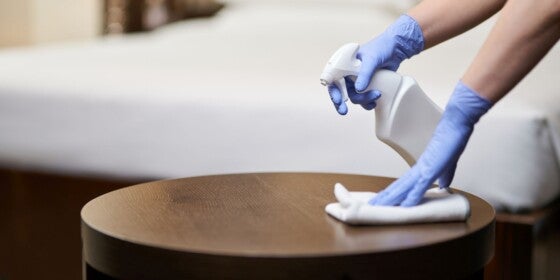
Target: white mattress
(241, 93)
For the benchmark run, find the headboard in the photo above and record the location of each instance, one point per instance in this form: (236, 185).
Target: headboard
(125, 16)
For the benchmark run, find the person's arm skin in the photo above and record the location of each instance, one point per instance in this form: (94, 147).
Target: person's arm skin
(524, 33)
(441, 20)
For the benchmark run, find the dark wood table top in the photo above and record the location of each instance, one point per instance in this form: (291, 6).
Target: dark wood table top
(269, 220)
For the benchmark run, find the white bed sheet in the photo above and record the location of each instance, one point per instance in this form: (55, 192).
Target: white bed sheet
(240, 93)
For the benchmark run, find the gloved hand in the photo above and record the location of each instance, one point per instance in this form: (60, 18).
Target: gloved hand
(399, 41)
(439, 160)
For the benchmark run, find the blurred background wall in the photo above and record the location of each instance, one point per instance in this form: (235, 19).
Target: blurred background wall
(27, 22)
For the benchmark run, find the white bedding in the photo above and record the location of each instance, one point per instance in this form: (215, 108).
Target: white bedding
(240, 93)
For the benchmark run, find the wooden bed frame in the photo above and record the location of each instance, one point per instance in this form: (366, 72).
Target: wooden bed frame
(40, 230)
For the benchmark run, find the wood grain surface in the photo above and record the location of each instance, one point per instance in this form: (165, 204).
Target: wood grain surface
(273, 226)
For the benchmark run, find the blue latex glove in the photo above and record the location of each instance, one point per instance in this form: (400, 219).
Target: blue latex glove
(366, 99)
(399, 41)
(439, 160)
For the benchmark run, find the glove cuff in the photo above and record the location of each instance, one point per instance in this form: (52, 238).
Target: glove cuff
(468, 102)
(408, 35)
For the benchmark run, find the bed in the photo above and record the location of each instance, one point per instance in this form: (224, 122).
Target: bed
(240, 92)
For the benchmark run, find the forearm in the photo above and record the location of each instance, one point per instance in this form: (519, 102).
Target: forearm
(524, 33)
(443, 19)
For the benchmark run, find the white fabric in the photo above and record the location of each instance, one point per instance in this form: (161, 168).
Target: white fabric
(241, 93)
(437, 206)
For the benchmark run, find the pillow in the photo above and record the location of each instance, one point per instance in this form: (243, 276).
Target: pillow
(183, 9)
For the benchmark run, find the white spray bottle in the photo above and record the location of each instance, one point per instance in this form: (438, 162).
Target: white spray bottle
(405, 117)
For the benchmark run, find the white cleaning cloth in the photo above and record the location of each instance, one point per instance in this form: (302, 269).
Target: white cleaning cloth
(438, 205)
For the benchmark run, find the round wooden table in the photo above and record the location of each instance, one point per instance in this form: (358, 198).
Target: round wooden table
(269, 226)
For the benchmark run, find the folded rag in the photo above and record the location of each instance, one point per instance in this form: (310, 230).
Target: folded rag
(438, 205)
